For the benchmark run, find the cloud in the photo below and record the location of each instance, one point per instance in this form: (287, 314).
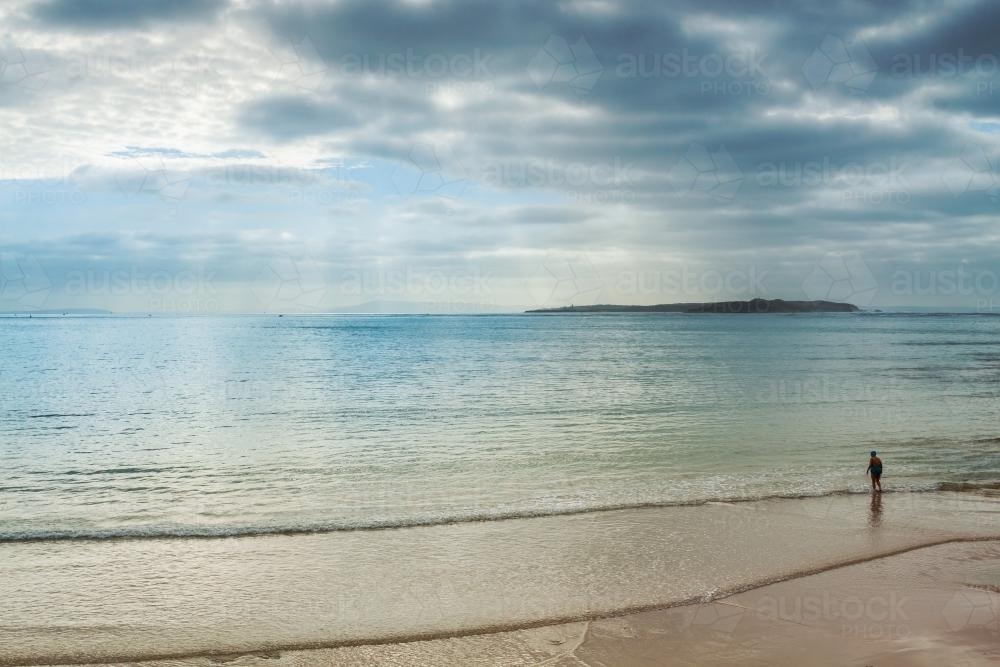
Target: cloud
(822, 166)
(286, 118)
(109, 14)
(230, 154)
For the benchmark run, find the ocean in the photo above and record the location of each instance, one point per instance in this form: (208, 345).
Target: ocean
(197, 472)
(126, 426)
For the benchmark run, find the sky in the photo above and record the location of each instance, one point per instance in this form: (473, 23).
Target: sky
(214, 156)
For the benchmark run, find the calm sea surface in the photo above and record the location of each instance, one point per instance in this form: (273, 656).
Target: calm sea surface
(127, 426)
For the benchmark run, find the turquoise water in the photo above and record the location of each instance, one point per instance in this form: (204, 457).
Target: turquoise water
(128, 426)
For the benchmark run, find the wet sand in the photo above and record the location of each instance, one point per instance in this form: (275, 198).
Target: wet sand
(827, 581)
(928, 607)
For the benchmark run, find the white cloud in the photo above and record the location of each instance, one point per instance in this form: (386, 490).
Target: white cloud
(302, 162)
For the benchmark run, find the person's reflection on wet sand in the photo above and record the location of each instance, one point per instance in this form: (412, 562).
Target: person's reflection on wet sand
(875, 511)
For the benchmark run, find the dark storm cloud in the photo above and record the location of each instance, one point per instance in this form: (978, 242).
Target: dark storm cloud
(820, 165)
(384, 26)
(645, 99)
(100, 14)
(286, 118)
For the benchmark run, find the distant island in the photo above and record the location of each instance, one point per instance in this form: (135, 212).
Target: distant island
(751, 306)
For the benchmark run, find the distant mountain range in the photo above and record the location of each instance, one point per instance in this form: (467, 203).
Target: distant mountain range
(746, 307)
(426, 308)
(53, 311)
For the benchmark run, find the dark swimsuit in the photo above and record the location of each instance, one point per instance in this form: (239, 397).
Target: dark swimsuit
(876, 471)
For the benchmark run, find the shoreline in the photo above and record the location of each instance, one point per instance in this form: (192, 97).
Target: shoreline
(240, 532)
(382, 588)
(321, 653)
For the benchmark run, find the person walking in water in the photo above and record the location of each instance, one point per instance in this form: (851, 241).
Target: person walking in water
(875, 470)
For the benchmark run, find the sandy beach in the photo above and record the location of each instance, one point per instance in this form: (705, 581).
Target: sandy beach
(457, 333)
(886, 612)
(904, 579)
(929, 606)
